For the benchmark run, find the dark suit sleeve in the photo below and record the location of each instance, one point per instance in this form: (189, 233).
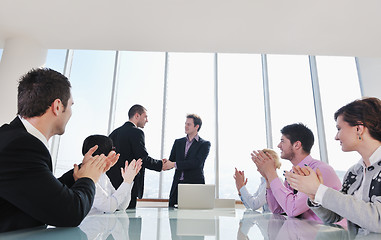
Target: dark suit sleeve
(195, 160)
(67, 178)
(140, 151)
(172, 156)
(28, 184)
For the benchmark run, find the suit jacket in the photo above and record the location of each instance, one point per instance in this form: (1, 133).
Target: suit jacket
(129, 141)
(192, 165)
(30, 195)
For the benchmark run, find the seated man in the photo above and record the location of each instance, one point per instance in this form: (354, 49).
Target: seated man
(295, 145)
(30, 195)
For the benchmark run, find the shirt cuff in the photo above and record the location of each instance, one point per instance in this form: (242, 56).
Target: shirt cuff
(243, 191)
(320, 193)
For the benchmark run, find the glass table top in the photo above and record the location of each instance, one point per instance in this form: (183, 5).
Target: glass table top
(164, 223)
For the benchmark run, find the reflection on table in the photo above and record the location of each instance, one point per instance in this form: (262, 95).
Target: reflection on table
(176, 224)
(274, 227)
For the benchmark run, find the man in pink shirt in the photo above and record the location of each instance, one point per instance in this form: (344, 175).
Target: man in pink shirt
(295, 145)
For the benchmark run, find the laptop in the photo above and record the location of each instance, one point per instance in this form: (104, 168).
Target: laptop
(196, 196)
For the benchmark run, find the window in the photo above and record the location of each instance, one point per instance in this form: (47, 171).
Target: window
(91, 79)
(56, 59)
(141, 81)
(291, 98)
(337, 75)
(190, 90)
(241, 119)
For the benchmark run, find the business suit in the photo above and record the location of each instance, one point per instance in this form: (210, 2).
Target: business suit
(30, 195)
(192, 165)
(129, 141)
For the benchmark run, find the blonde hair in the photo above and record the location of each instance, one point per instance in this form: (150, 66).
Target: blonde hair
(274, 156)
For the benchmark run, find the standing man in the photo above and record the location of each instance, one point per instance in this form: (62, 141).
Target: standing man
(188, 156)
(129, 141)
(30, 195)
(295, 145)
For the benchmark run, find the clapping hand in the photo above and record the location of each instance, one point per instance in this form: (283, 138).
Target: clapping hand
(92, 168)
(131, 170)
(111, 159)
(92, 164)
(240, 179)
(305, 180)
(265, 164)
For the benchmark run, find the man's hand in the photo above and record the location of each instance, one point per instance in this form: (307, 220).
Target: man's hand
(92, 168)
(89, 155)
(240, 179)
(111, 159)
(265, 164)
(130, 170)
(167, 164)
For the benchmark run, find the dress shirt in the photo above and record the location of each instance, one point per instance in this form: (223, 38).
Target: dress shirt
(358, 193)
(34, 131)
(107, 199)
(257, 200)
(281, 197)
(188, 144)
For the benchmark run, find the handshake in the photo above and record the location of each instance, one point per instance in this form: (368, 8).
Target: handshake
(167, 164)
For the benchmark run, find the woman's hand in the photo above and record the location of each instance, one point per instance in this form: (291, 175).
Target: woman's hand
(305, 180)
(240, 179)
(130, 170)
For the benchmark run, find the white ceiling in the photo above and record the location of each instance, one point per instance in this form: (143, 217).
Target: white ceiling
(316, 27)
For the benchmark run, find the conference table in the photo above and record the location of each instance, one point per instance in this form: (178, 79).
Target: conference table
(150, 223)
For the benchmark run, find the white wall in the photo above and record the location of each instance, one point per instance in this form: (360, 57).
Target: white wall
(19, 56)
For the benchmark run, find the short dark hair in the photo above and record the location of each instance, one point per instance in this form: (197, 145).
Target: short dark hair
(366, 111)
(38, 89)
(299, 132)
(136, 109)
(105, 144)
(196, 120)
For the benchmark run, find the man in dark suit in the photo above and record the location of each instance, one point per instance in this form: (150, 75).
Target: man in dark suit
(130, 143)
(30, 195)
(188, 156)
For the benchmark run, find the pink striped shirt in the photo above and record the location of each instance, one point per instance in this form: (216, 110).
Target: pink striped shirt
(282, 199)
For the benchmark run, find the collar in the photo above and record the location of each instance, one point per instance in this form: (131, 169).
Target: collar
(34, 131)
(195, 137)
(263, 180)
(132, 123)
(307, 160)
(376, 156)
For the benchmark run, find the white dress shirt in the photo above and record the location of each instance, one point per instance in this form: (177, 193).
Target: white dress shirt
(34, 131)
(107, 199)
(257, 200)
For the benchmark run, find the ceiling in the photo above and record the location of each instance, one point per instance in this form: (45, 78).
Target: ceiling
(324, 27)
